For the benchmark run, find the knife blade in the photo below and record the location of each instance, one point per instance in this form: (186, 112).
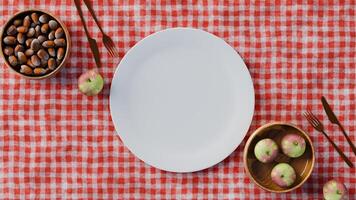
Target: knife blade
(92, 42)
(331, 115)
(95, 51)
(333, 119)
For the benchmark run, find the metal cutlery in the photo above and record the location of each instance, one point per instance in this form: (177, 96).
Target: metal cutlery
(314, 121)
(333, 119)
(108, 43)
(92, 42)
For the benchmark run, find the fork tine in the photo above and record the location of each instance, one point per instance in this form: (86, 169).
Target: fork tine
(113, 51)
(116, 52)
(309, 114)
(110, 51)
(108, 44)
(108, 48)
(113, 47)
(310, 119)
(315, 119)
(306, 115)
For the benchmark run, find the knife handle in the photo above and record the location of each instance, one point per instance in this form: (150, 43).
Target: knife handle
(92, 42)
(80, 12)
(348, 138)
(343, 156)
(91, 10)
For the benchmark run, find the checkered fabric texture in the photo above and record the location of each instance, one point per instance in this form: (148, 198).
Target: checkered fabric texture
(56, 143)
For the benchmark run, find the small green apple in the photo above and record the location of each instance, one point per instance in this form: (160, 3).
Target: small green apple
(266, 150)
(335, 190)
(283, 175)
(293, 145)
(91, 83)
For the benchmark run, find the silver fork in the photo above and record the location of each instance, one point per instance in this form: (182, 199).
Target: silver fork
(314, 121)
(108, 43)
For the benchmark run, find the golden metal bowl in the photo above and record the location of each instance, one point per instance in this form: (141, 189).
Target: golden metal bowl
(260, 172)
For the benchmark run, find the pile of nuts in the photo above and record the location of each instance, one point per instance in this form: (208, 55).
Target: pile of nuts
(34, 44)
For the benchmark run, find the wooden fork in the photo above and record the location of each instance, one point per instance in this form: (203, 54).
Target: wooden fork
(314, 121)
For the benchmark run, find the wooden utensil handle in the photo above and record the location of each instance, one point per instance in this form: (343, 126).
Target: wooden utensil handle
(349, 163)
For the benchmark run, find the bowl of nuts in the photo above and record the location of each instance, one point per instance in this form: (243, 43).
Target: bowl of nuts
(34, 44)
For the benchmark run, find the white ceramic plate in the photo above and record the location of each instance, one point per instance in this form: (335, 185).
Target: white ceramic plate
(182, 100)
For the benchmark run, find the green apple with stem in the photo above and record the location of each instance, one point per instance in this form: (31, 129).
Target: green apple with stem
(266, 150)
(91, 82)
(293, 145)
(334, 190)
(283, 175)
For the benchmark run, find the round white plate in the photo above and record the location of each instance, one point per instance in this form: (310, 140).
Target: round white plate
(182, 100)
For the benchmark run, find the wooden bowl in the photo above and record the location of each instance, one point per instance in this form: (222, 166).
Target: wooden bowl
(67, 37)
(260, 172)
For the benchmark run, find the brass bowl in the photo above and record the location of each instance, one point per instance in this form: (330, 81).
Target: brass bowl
(67, 37)
(260, 172)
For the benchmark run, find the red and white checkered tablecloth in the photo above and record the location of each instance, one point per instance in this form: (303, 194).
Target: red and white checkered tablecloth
(56, 143)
